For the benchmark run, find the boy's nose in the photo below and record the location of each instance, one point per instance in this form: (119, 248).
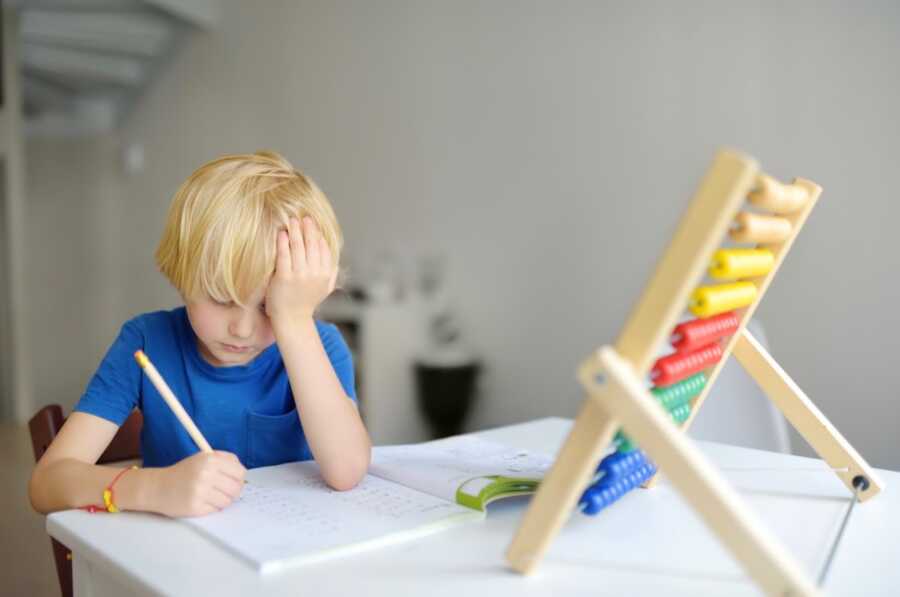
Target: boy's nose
(242, 325)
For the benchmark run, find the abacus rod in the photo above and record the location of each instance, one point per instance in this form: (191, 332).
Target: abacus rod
(859, 484)
(772, 469)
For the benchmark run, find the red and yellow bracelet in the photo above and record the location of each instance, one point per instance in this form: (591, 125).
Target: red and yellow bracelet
(109, 502)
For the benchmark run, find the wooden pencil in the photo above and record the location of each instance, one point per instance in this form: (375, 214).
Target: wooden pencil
(171, 400)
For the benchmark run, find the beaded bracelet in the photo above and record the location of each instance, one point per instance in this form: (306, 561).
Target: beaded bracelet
(109, 503)
(108, 500)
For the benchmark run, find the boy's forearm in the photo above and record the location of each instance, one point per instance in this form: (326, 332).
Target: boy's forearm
(335, 432)
(68, 483)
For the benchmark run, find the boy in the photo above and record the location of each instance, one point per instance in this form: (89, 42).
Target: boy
(253, 247)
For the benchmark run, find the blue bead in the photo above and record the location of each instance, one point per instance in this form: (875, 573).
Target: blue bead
(608, 495)
(594, 500)
(611, 464)
(620, 464)
(618, 474)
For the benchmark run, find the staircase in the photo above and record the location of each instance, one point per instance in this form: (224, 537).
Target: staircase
(85, 63)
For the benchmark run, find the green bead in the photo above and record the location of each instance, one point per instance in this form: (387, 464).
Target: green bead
(681, 414)
(671, 397)
(625, 443)
(675, 399)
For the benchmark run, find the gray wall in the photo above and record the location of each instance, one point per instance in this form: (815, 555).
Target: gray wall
(72, 276)
(548, 149)
(6, 393)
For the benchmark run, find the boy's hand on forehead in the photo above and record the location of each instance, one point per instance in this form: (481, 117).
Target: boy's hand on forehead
(305, 273)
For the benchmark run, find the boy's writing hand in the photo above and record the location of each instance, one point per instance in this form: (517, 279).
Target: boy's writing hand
(305, 274)
(200, 484)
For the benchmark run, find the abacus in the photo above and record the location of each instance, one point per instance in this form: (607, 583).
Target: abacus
(728, 247)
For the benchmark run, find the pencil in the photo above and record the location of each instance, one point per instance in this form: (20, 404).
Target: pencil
(171, 400)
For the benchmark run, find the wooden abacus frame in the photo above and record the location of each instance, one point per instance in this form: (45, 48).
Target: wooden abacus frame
(614, 380)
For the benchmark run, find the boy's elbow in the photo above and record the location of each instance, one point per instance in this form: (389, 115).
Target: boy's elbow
(343, 483)
(349, 476)
(35, 495)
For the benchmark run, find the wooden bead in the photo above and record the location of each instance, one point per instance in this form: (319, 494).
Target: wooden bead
(773, 196)
(759, 229)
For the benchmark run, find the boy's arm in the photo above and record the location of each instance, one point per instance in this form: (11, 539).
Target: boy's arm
(304, 275)
(66, 477)
(332, 424)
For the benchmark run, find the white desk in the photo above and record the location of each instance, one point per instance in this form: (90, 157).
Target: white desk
(648, 543)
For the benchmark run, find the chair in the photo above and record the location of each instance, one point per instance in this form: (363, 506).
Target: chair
(44, 426)
(738, 411)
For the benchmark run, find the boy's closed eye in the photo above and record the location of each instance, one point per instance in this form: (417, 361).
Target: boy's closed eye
(262, 305)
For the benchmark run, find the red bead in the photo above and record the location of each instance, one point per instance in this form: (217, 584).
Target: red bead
(691, 335)
(679, 365)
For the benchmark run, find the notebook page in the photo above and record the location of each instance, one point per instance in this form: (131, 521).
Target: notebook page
(287, 516)
(442, 466)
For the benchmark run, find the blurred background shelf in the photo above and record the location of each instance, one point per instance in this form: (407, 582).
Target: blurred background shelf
(384, 339)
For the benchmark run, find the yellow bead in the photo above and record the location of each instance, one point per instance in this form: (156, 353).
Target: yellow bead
(712, 300)
(730, 264)
(107, 501)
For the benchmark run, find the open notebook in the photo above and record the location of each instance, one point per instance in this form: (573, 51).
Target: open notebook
(286, 515)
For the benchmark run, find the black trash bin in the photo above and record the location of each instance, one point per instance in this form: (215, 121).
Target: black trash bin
(445, 394)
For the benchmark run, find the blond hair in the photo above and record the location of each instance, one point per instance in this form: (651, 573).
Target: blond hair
(220, 233)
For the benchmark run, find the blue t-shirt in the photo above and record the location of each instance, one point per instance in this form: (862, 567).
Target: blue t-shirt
(246, 409)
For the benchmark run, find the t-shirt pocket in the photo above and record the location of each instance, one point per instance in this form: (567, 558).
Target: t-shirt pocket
(275, 439)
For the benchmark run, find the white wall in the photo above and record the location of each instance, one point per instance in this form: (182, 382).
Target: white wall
(72, 219)
(6, 344)
(14, 337)
(548, 149)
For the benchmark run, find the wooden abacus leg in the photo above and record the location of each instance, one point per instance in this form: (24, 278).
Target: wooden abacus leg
(701, 485)
(564, 483)
(808, 420)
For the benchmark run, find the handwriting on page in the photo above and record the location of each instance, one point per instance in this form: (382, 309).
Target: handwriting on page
(278, 507)
(372, 497)
(287, 514)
